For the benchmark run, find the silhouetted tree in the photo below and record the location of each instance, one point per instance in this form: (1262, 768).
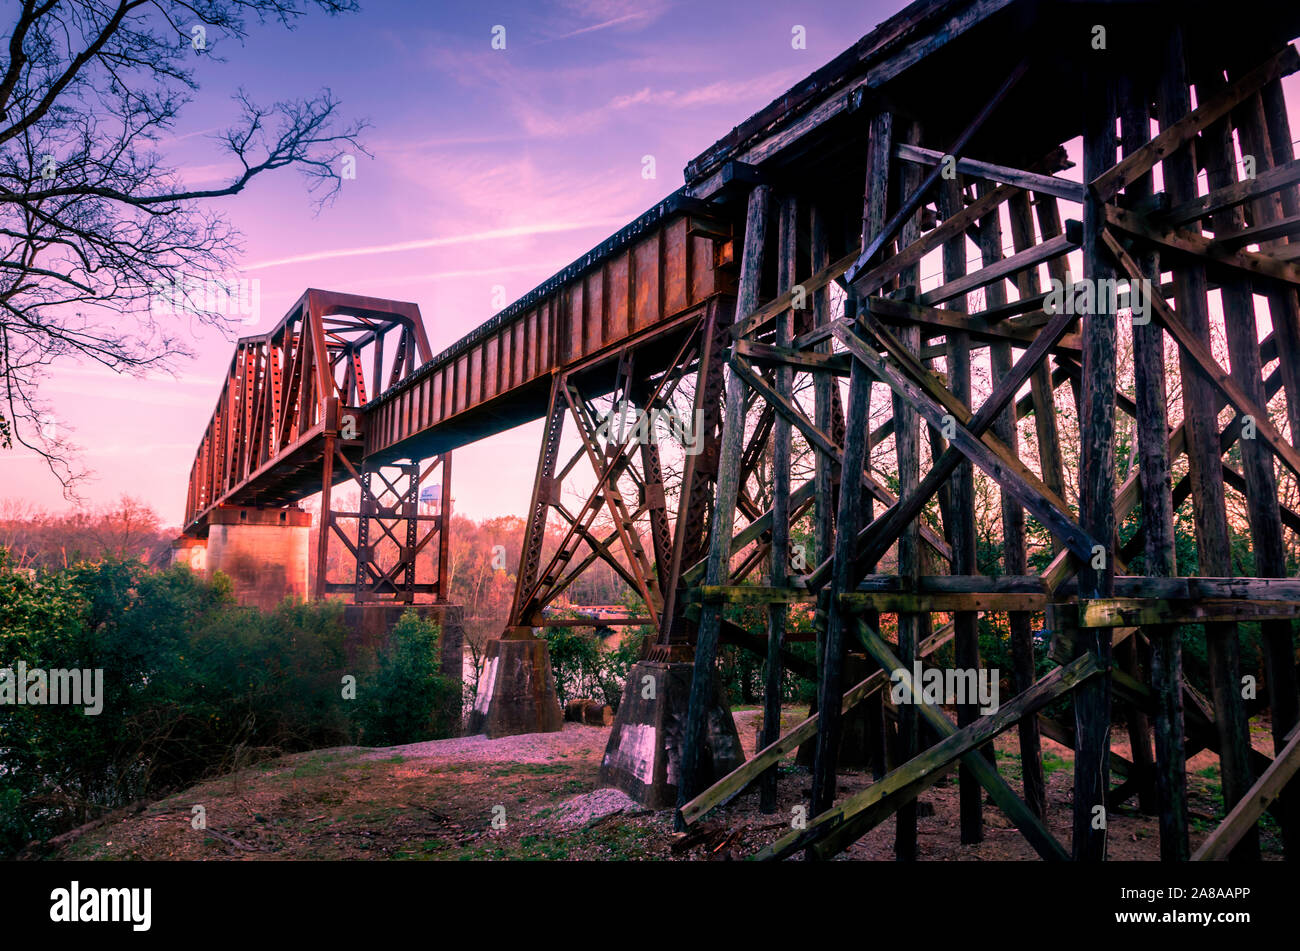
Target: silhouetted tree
(93, 222)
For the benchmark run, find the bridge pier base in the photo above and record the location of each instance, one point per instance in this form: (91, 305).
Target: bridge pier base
(516, 691)
(263, 551)
(644, 752)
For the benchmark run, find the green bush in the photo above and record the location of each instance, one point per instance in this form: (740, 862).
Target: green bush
(584, 667)
(405, 698)
(193, 685)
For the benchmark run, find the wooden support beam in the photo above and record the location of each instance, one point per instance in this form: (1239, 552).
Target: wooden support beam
(1263, 510)
(733, 433)
(871, 281)
(1177, 134)
(1007, 267)
(734, 783)
(1014, 551)
(849, 516)
(1241, 819)
(1020, 332)
(1209, 367)
(779, 559)
(760, 319)
(891, 603)
(877, 538)
(1140, 612)
(1031, 181)
(1203, 206)
(823, 443)
(913, 627)
(986, 452)
(1092, 704)
(1191, 329)
(848, 822)
(1153, 480)
(1250, 263)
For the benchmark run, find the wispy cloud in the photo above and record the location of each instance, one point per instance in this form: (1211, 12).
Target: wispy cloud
(518, 231)
(430, 276)
(641, 15)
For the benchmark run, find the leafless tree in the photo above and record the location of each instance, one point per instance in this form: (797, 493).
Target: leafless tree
(92, 218)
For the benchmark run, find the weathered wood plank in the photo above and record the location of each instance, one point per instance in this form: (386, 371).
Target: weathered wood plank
(960, 743)
(1262, 185)
(1241, 819)
(1139, 612)
(1251, 263)
(733, 432)
(1176, 134)
(875, 233)
(1020, 178)
(1007, 267)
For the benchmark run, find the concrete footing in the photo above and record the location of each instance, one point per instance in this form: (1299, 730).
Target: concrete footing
(643, 757)
(516, 691)
(264, 552)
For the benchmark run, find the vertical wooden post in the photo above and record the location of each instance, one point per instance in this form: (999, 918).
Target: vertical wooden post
(1268, 137)
(912, 627)
(787, 261)
(962, 531)
(1048, 212)
(1277, 148)
(1044, 402)
(1092, 701)
(849, 516)
(1205, 464)
(1264, 516)
(825, 399)
(1014, 558)
(1152, 425)
(724, 511)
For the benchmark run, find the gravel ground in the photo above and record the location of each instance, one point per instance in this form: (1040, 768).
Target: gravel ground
(588, 807)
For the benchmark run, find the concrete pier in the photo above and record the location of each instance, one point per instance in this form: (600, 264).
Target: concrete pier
(516, 692)
(643, 755)
(263, 551)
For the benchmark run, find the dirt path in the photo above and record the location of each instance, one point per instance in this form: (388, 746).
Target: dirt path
(439, 800)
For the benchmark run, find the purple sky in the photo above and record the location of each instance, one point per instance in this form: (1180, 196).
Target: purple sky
(490, 168)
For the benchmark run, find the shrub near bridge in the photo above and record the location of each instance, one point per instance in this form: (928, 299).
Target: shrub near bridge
(406, 698)
(193, 685)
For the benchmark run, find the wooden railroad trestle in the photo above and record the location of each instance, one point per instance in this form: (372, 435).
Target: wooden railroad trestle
(1114, 635)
